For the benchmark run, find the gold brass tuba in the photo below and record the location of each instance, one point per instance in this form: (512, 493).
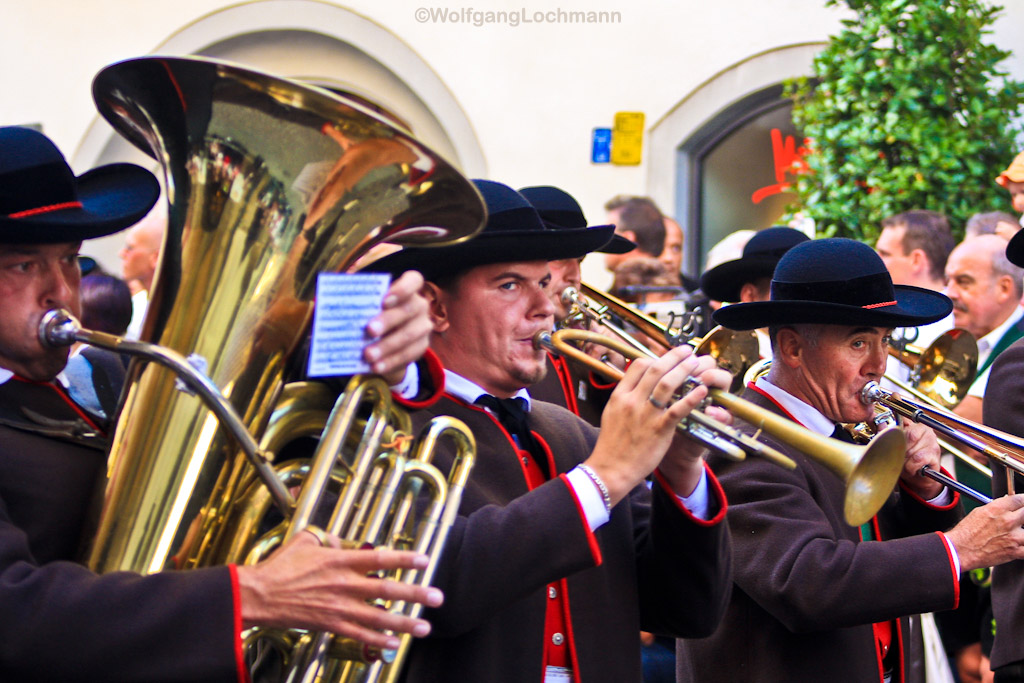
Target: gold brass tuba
(269, 183)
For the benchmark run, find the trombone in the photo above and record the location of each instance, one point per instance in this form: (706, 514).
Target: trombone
(870, 472)
(940, 377)
(998, 445)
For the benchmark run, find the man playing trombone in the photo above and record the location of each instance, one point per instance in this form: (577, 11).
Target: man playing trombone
(1003, 408)
(561, 554)
(812, 598)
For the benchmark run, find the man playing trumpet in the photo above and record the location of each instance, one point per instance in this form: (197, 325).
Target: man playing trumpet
(812, 597)
(561, 554)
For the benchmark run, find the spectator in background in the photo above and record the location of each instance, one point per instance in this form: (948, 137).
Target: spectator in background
(914, 246)
(986, 292)
(637, 219)
(1013, 180)
(139, 257)
(106, 303)
(634, 276)
(993, 222)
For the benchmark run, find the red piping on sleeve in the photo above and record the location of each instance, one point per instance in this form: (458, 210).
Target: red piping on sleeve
(952, 569)
(236, 599)
(950, 506)
(716, 489)
(436, 377)
(595, 549)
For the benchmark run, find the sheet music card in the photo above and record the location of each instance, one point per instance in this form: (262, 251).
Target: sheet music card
(345, 303)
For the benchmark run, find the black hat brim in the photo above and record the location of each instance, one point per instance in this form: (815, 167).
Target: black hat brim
(724, 281)
(1015, 249)
(914, 306)
(617, 245)
(503, 247)
(113, 197)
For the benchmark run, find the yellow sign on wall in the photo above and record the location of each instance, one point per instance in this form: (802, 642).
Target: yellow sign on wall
(628, 138)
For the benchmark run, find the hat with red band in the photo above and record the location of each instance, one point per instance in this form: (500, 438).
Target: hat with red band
(42, 202)
(837, 282)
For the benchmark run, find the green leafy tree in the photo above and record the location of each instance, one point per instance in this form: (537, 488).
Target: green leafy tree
(907, 109)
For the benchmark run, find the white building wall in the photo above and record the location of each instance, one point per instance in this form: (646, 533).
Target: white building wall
(532, 93)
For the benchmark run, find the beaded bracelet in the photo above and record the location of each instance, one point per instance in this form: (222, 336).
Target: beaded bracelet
(605, 496)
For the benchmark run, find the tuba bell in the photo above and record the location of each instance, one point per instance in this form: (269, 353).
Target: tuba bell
(268, 183)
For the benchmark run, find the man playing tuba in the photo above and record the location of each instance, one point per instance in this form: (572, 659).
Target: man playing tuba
(168, 626)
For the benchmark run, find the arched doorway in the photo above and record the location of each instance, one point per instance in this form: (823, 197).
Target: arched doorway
(714, 156)
(320, 43)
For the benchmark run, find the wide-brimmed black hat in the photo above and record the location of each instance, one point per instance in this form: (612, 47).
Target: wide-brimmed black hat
(761, 254)
(514, 232)
(1015, 249)
(838, 282)
(560, 211)
(42, 202)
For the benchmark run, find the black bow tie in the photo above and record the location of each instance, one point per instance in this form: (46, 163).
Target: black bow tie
(511, 412)
(843, 434)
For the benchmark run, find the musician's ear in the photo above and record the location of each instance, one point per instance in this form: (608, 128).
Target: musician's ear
(437, 307)
(788, 348)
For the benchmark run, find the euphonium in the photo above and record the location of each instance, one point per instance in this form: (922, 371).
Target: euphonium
(269, 183)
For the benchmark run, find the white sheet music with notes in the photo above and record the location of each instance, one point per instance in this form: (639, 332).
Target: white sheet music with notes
(345, 303)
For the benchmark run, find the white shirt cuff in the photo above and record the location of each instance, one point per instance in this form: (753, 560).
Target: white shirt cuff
(589, 497)
(697, 502)
(409, 387)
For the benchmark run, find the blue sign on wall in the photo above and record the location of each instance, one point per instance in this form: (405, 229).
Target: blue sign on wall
(601, 149)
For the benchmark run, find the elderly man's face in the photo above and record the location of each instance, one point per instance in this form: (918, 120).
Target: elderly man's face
(35, 278)
(979, 303)
(485, 322)
(835, 362)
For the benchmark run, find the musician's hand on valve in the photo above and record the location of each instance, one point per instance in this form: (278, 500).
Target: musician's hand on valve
(991, 534)
(638, 426)
(922, 449)
(401, 331)
(304, 585)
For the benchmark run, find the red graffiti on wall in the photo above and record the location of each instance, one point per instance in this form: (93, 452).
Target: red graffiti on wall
(787, 158)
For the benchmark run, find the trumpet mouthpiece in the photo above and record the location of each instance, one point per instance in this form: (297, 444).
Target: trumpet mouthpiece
(57, 328)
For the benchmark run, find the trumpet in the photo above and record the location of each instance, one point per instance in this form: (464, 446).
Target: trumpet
(943, 372)
(734, 351)
(870, 472)
(998, 445)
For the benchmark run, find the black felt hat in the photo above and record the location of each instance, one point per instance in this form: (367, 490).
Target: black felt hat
(560, 211)
(1015, 249)
(42, 202)
(514, 232)
(761, 253)
(839, 282)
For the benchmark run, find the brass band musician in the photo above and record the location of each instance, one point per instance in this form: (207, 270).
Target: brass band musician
(1003, 409)
(58, 620)
(568, 383)
(814, 598)
(561, 554)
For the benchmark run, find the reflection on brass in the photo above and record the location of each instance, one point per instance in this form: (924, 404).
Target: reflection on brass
(269, 183)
